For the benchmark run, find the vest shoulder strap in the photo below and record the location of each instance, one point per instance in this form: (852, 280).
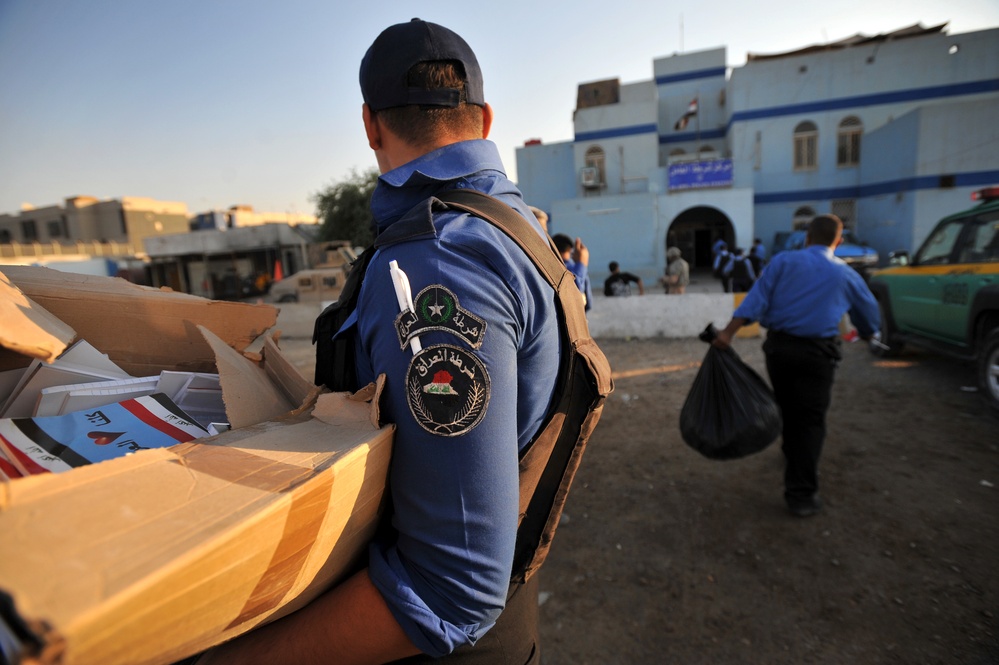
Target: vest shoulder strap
(549, 464)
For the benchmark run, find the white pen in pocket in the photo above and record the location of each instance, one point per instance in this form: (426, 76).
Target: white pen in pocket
(404, 296)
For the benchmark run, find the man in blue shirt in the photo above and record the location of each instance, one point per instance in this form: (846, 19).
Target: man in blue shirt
(469, 378)
(721, 258)
(576, 258)
(800, 298)
(740, 271)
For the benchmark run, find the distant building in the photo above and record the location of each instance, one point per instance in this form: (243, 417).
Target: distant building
(86, 219)
(889, 132)
(239, 216)
(88, 235)
(231, 264)
(233, 253)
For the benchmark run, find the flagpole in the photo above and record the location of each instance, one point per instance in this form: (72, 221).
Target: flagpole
(698, 118)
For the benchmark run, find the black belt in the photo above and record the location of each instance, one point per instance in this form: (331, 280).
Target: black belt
(827, 346)
(781, 335)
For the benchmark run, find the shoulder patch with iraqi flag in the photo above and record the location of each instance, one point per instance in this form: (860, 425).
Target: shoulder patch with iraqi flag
(437, 308)
(447, 388)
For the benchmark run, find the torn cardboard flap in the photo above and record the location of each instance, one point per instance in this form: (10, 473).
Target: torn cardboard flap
(358, 407)
(249, 395)
(29, 329)
(285, 375)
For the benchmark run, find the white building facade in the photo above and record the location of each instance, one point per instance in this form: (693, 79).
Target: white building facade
(890, 132)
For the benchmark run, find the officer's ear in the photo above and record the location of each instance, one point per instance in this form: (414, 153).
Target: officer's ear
(372, 129)
(487, 120)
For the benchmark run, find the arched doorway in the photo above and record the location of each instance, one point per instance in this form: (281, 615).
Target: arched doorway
(695, 230)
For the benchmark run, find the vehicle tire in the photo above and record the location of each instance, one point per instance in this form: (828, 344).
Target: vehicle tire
(288, 297)
(988, 370)
(890, 345)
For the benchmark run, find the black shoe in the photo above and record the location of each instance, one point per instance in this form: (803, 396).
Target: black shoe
(804, 507)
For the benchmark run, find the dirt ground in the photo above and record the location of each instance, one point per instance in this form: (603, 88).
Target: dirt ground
(665, 556)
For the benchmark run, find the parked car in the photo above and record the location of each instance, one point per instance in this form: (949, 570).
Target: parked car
(312, 285)
(946, 296)
(321, 283)
(857, 254)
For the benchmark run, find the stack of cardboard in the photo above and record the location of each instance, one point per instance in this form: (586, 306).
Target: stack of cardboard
(161, 554)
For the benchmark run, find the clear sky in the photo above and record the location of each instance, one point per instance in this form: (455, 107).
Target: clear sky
(222, 102)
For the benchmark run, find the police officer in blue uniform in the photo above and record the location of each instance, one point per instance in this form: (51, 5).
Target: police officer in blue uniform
(800, 299)
(470, 372)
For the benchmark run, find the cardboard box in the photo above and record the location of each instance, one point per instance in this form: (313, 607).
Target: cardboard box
(161, 554)
(144, 330)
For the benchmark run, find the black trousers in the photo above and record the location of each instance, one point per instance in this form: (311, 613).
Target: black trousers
(801, 372)
(512, 641)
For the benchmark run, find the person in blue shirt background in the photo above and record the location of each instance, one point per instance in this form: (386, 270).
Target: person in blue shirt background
(576, 257)
(758, 249)
(468, 381)
(800, 298)
(740, 271)
(721, 258)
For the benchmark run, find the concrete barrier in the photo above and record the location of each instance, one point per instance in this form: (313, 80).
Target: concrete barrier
(658, 315)
(651, 315)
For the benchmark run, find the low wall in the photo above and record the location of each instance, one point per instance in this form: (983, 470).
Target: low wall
(659, 315)
(650, 315)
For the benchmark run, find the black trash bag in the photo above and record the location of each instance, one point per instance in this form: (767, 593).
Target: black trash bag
(730, 411)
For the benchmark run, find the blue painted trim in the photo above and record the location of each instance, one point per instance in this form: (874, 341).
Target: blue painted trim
(690, 76)
(915, 183)
(693, 136)
(616, 132)
(916, 94)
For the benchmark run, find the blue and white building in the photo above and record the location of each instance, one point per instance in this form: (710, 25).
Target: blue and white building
(890, 132)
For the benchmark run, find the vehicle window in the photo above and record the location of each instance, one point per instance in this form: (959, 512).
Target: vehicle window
(982, 240)
(329, 282)
(305, 282)
(940, 245)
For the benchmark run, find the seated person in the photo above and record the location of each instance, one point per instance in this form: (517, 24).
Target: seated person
(619, 283)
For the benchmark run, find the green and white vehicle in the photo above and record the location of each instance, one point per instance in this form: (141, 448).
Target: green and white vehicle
(946, 296)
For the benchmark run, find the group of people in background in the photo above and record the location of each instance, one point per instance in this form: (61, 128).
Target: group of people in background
(737, 270)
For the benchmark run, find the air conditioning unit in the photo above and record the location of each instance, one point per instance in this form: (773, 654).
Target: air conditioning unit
(589, 177)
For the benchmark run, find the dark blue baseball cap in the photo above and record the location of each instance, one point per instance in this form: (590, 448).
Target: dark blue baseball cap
(394, 52)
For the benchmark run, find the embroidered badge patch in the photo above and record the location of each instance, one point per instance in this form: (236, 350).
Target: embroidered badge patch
(437, 308)
(448, 389)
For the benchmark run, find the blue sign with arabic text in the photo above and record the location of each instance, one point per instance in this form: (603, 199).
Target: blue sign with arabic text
(695, 175)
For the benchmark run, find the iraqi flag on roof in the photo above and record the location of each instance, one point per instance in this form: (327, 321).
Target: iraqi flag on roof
(681, 124)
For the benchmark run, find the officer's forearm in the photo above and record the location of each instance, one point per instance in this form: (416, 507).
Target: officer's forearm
(350, 624)
(724, 338)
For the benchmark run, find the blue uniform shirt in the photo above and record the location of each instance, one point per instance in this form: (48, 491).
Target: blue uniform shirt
(581, 275)
(466, 405)
(805, 293)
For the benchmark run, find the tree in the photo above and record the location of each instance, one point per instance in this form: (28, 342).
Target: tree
(344, 211)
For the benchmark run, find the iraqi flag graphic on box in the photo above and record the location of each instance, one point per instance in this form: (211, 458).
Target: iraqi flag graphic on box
(59, 443)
